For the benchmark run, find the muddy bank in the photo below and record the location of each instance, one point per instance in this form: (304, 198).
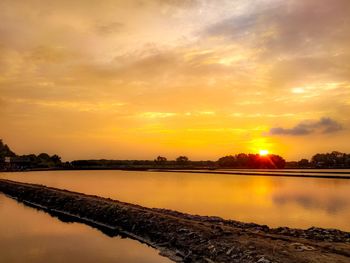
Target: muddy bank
(188, 238)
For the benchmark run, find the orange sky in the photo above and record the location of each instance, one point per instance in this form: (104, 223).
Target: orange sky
(205, 78)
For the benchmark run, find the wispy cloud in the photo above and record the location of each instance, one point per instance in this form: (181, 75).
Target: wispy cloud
(183, 68)
(156, 115)
(324, 125)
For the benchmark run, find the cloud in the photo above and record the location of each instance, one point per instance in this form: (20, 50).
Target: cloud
(287, 25)
(177, 65)
(156, 115)
(297, 42)
(324, 125)
(109, 28)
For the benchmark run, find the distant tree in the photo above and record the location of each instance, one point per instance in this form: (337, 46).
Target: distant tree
(227, 161)
(334, 159)
(32, 157)
(160, 160)
(292, 164)
(5, 151)
(242, 160)
(56, 159)
(252, 161)
(44, 157)
(303, 163)
(255, 161)
(44, 161)
(182, 160)
(278, 161)
(31, 160)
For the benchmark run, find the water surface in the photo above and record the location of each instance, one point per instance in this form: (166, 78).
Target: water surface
(275, 201)
(28, 235)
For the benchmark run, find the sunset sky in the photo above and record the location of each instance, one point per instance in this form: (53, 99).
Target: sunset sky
(204, 78)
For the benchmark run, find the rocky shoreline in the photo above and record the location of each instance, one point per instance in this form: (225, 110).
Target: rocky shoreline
(184, 237)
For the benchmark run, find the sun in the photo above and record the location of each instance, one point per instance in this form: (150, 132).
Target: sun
(263, 152)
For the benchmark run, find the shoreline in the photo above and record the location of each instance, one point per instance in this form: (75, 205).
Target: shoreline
(238, 172)
(184, 237)
(261, 173)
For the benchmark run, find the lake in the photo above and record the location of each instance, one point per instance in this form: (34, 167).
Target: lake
(275, 201)
(29, 235)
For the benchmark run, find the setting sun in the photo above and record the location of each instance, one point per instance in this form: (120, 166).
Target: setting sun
(212, 131)
(263, 152)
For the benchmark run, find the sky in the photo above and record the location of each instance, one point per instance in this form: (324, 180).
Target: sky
(203, 78)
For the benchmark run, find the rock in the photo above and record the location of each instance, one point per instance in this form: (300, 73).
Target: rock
(301, 247)
(183, 230)
(208, 260)
(179, 254)
(211, 246)
(263, 260)
(230, 251)
(219, 229)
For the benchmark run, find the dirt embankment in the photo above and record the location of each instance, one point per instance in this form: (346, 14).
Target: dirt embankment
(184, 237)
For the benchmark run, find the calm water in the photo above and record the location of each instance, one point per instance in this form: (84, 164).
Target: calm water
(275, 201)
(296, 170)
(29, 235)
(281, 172)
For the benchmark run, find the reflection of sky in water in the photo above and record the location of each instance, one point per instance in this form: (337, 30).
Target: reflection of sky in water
(332, 206)
(275, 201)
(325, 195)
(29, 235)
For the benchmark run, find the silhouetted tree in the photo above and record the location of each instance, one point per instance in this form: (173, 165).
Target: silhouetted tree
(160, 160)
(334, 159)
(303, 163)
(277, 161)
(243, 160)
(43, 160)
(56, 159)
(227, 161)
(44, 157)
(182, 160)
(5, 151)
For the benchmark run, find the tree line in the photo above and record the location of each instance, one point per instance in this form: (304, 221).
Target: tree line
(252, 161)
(10, 160)
(333, 159)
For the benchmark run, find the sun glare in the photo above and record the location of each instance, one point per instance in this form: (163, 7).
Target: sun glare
(263, 152)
